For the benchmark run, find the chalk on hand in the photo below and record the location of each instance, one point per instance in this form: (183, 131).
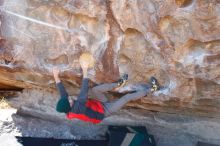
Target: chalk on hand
(87, 57)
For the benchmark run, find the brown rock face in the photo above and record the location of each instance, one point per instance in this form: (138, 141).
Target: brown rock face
(177, 41)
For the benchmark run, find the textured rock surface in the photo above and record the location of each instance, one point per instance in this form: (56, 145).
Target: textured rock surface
(178, 41)
(168, 129)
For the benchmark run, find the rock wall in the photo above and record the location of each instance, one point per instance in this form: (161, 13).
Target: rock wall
(178, 41)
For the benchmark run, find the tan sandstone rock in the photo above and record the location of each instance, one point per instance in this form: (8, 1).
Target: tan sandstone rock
(177, 41)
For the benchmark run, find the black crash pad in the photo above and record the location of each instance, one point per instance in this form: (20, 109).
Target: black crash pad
(30, 141)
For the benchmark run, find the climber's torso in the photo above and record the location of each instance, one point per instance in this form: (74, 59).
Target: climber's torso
(90, 111)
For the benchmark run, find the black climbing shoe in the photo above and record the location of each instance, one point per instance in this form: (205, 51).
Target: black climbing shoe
(121, 82)
(154, 84)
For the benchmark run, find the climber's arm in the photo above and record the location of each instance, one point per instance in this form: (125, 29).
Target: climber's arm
(60, 86)
(56, 72)
(62, 90)
(83, 95)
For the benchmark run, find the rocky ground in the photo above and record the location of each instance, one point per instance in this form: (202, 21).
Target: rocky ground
(168, 129)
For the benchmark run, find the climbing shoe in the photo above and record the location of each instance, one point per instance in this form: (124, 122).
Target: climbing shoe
(122, 81)
(154, 84)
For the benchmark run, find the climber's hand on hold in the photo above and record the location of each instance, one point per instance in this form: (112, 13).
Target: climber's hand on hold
(85, 70)
(56, 72)
(86, 61)
(84, 65)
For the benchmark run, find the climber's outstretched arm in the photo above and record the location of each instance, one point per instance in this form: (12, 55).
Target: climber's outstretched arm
(83, 95)
(56, 72)
(61, 88)
(63, 105)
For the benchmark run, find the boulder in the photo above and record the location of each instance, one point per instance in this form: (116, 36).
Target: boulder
(176, 41)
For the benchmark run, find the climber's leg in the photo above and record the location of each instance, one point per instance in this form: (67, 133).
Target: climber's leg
(141, 91)
(99, 91)
(111, 107)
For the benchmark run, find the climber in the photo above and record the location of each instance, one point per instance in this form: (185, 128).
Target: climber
(95, 110)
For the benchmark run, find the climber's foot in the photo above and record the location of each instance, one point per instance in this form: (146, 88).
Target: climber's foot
(154, 84)
(121, 82)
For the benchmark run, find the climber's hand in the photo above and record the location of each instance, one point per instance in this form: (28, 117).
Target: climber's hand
(84, 65)
(56, 72)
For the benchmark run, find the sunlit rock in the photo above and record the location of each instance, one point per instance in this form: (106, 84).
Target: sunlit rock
(175, 41)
